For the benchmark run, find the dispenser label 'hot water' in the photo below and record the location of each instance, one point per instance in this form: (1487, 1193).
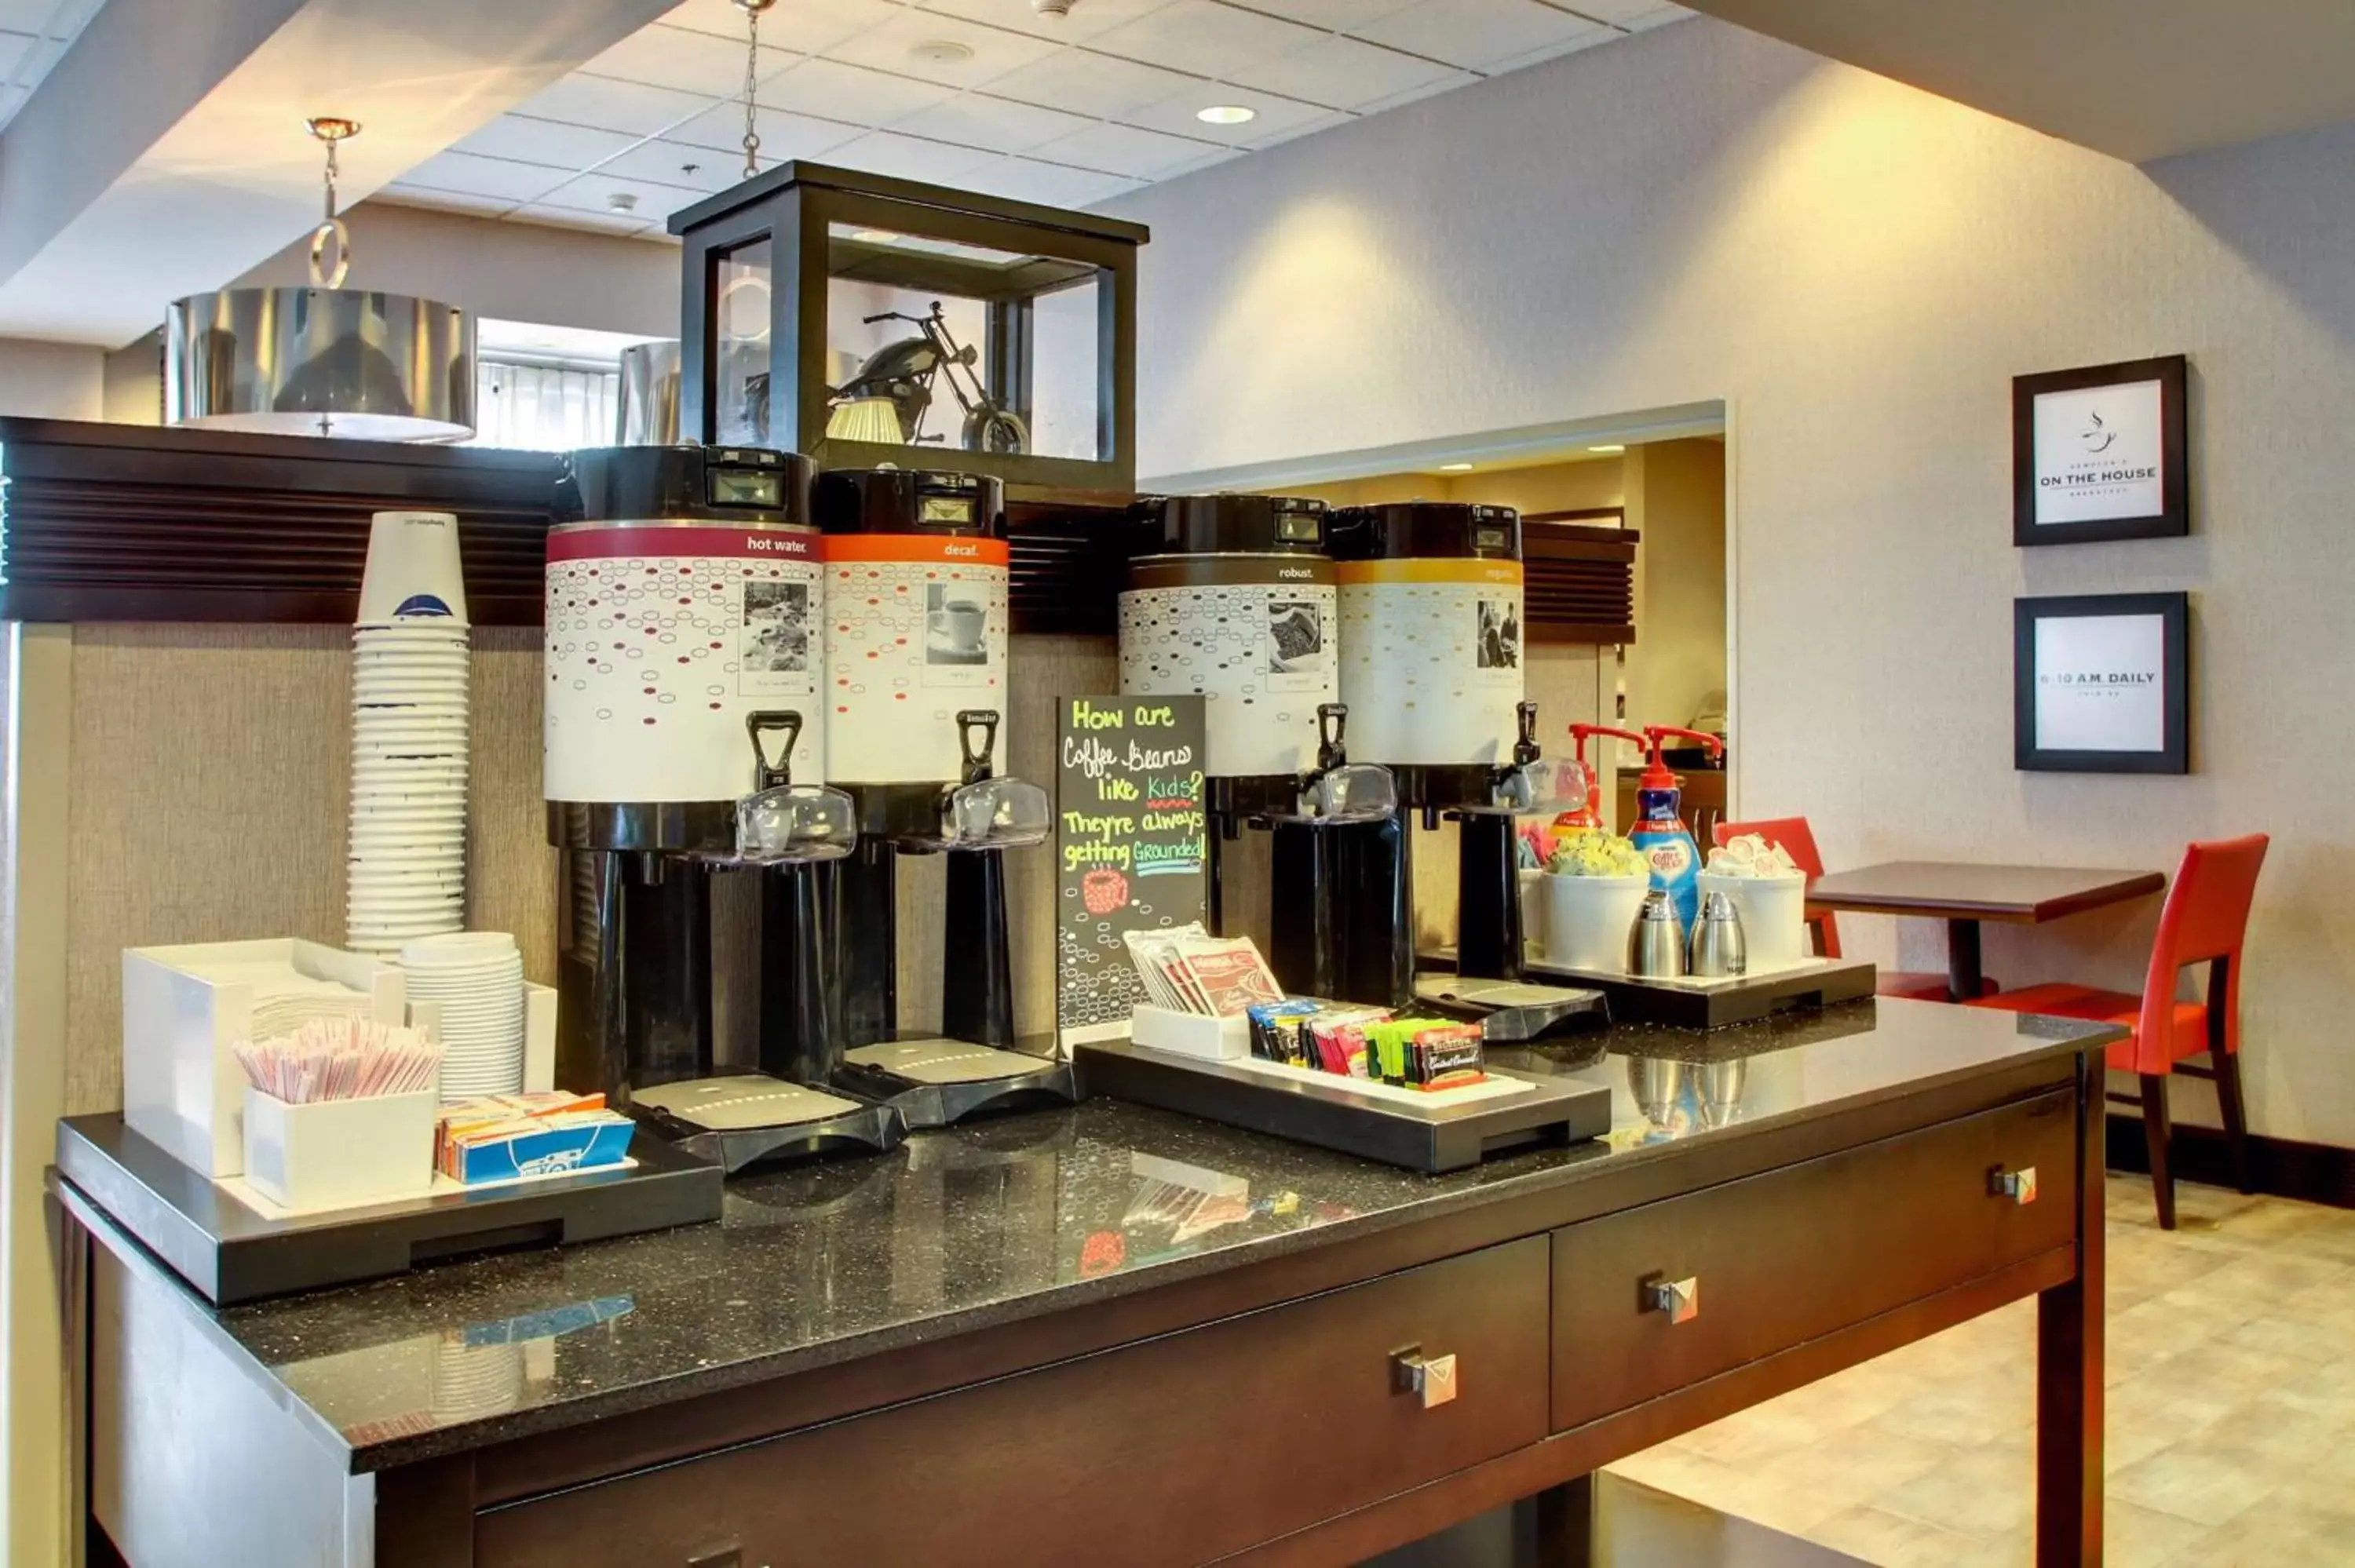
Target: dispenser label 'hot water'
(1131, 846)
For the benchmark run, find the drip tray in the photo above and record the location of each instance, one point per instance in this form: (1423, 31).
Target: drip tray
(747, 1103)
(943, 1060)
(751, 1120)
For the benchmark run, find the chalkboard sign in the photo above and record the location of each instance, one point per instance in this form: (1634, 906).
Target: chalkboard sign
(1130, 847)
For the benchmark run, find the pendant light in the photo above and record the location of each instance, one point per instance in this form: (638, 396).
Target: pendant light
(323, 360)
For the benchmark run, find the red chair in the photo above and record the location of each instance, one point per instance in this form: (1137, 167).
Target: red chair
(2205, 921)
(1798, 841)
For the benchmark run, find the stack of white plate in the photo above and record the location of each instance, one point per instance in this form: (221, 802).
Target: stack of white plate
(408, 865)
(476, 979)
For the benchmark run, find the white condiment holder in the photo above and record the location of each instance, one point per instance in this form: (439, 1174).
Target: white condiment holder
(182, 1089)
(339, 1154)
(1199, 1034)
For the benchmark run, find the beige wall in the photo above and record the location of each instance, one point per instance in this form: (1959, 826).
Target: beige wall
(50, 380)
(1859, 270)
(1676, 500)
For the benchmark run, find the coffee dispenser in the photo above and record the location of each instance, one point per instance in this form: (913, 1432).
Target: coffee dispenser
(1432, 643)
(1234, 599)
(915, 693)
(679, 705)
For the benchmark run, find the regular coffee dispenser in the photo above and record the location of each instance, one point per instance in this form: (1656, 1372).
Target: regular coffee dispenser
(869, 320)
(1235, 599)
(1430, 674)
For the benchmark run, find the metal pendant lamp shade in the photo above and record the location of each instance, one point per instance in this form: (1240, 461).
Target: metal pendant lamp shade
(321, 360)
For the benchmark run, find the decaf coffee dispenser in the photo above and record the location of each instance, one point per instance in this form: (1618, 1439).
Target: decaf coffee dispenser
(915, 693)
(681, 659)
(1234, 599)
(1432, 675)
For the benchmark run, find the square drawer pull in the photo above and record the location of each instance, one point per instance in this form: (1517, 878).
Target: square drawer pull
(2020, 1185)
(1679, 1298)
(1430, 1379)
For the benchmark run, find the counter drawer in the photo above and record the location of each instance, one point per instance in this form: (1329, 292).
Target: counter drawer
(1782, 1257)
(1267, 1422)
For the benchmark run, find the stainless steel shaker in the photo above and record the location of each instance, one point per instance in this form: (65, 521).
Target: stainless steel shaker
(1717, 946)
(1656, 943)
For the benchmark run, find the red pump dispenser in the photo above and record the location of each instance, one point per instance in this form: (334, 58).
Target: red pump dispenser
(1657, 773)
(1590, 815)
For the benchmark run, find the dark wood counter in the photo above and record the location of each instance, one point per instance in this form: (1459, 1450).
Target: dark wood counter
(1109, 1334)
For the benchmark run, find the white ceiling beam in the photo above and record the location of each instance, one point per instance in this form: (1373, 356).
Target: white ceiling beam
(165, 155)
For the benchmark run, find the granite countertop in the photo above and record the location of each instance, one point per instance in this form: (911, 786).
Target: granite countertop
(1007, 1219)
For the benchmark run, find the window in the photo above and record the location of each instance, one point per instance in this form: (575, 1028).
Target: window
(544, 407)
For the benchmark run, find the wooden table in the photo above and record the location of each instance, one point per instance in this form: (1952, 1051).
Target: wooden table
(1108, 1334)
(1964, 895)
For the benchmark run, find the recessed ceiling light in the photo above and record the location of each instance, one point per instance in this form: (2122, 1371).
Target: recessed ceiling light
(1456, 468)
(1607, 450)
(1226, 114)
(622, 201)
(940, 51)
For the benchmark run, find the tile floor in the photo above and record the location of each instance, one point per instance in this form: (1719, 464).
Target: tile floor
(2231, 1411)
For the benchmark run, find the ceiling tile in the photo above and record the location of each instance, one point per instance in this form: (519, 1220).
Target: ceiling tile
(610, 105)
(1325, 122)
(1052, 185)
(1208, 161)
(551, 141)
(783, 135)
(1123, 150)
(1626, 13)
(1342, 73)
(908, 158)
(596, 193)
(27, 16)
(1477, 33)
(569, 218)
(1000, 124)
(1089, 18)
(1656, 16)
(1272, 116)
(834, 90)
(1205, 37)
(400, 193)
(1552, 51)
(72, 17)
(14, 47)
(687, 61)
(808, 26)
(467, 174)
(1085, 83)
(680, 163)
(1334, 15)
(893, 45)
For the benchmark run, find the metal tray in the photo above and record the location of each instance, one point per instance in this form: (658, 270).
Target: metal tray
(229, 1252)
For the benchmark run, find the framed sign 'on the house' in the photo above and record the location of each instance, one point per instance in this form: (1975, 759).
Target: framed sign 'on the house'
(2101, 454)
(2101, 684)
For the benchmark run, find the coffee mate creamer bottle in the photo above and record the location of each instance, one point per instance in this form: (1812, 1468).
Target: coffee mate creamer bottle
(1660, 832)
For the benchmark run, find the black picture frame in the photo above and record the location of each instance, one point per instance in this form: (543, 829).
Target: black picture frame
(2172, 754)
(2172, 520)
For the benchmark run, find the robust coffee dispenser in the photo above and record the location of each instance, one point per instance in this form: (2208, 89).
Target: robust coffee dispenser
(1432, 675)
(1234, 599)
(679, 704)
(914, 685)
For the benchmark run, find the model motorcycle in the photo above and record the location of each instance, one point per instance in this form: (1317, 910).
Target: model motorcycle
(902, 374)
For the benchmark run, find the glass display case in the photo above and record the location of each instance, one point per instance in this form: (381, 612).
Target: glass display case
(866, 320)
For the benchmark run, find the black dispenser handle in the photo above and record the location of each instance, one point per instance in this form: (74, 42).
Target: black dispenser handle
(773, 775)
(1525, 745)
(977, 763)
(1332, 725)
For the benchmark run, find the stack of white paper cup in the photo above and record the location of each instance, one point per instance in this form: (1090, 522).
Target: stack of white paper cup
(411, 664)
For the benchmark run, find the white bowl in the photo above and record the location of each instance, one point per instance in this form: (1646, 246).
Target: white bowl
(1588, 918)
